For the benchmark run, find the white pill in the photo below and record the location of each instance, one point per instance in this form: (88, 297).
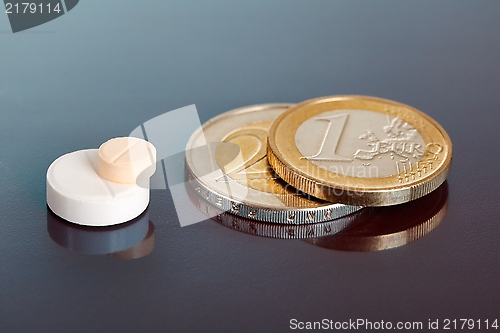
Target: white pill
(77, 193)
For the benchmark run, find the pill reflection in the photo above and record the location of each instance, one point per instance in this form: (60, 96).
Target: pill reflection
(129, 240)
(383, 228)
(140, 250)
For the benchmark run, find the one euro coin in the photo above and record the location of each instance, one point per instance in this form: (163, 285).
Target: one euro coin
(359, 150)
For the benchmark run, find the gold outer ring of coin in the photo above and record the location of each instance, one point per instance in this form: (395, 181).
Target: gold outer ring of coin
(217, 187)
(411, 183)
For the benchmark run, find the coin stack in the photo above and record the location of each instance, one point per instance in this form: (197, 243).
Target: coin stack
(309, 169)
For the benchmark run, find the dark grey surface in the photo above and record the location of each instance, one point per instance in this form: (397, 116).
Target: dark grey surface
(108, 66)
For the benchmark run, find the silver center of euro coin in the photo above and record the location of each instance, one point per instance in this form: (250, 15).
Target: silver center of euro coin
(360, 143)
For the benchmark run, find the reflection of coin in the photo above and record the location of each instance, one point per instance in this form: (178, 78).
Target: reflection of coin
(274, 230)
(236, 176)
(359, 150)
(382, 228)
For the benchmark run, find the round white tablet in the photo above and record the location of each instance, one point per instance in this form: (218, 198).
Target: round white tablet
(77, 193)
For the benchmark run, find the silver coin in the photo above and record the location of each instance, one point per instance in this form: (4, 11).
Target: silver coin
(350, 156)
(273, 230)
(226, 163)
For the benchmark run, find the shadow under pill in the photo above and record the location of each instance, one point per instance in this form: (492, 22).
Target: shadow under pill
(117, 239)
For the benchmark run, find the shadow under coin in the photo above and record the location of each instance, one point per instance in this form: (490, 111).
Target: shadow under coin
(389, 227)
(129, 240)
(273, 230)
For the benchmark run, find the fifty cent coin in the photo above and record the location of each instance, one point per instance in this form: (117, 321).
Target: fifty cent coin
(359, 150)
(226, 163)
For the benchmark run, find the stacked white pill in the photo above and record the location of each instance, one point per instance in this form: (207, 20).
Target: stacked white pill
(98, 187)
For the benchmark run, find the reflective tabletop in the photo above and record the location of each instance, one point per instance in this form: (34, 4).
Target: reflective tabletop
(106, 67)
